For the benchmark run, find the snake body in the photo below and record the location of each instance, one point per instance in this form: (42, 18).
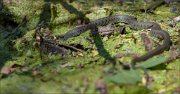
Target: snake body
(158, 50)
(132, 22)
(99, 22)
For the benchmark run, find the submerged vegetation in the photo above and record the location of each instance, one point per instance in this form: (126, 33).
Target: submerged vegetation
(83, 64)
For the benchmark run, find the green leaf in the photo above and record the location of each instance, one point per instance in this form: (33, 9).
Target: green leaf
(152, 62)
(126, 77)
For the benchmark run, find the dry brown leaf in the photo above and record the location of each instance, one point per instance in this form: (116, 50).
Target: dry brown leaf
(7, 69)
(148, 42)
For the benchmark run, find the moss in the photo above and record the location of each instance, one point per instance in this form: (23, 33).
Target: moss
(78, 73)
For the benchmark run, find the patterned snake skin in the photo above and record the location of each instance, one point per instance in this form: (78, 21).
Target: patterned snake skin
(132, 22)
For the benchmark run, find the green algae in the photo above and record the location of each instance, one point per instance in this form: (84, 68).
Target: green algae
(79, 73)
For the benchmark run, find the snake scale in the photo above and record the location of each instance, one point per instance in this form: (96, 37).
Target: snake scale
(132, 22)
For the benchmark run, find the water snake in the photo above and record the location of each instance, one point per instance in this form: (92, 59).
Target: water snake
(132, 22)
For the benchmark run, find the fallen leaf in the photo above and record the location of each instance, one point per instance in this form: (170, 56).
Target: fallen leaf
(126, 77)
(148, 42)
(6, 70)
(152, 62)
(9, 69)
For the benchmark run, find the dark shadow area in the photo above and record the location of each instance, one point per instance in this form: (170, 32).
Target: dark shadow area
(100, 48)
(9, 32)
(6, 18)
(7, 25)
(72, 10)
(45, 15)
(160, 67)
(48, 11)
